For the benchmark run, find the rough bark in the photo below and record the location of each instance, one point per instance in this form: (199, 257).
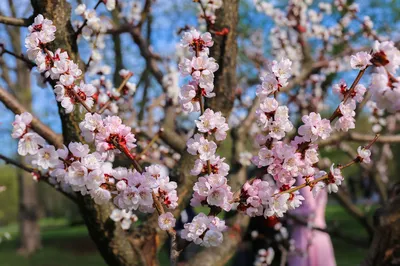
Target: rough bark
(385, 246)
(224, 51)
(110, 238)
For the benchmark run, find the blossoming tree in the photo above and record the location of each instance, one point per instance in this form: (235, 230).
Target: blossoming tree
(103, 127)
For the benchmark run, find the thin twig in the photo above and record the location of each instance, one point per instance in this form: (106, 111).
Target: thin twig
(336, 113)
(326, 176)
(124, 82)
(3, 50)
(154, 139)
(79, 31)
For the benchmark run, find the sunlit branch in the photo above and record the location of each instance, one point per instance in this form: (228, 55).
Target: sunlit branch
(19, 22)
(16, 107)
(121, 86)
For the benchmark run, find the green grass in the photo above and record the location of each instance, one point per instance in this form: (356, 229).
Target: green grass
(64, 245)
(347, 254)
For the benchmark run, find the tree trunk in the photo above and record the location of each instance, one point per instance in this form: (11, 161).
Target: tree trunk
(385, 246)
(29, 230)
(224, 51)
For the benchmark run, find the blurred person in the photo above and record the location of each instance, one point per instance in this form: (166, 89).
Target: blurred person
(312, 247)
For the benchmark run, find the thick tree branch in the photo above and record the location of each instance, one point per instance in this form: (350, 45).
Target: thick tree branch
(71, 196)
(12, 103)
(19, 22)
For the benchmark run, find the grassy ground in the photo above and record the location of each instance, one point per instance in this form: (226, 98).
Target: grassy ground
(64, 245)
(346, 254)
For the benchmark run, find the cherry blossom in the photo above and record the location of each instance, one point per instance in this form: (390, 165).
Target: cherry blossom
(315, 127)
(125, 217)
(335, 179)
(213, 123)
(188, 98)
(346, 121)
(114, 133)
(30, 143)
(364, 154)
(387, 55)
(200, 145)
(20, 124)
(47, 157)
(197, 41)
(166, 221)
(360, 60)
(196, 230)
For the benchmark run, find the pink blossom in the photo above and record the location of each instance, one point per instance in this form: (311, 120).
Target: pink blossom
(213, 123)
(166, 221)
(364, 154)
(78, 149)
(20, 124)
(47, 157)
(360, 60)
(335, 179)
(314, 127)
(30, 143)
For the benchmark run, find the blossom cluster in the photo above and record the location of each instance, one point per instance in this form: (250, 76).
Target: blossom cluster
(348, 106)
(136, 189)
(90, 173)
(208, 8)
(272, 118)
(205, 231)
(109, 134)
(259, 198)
(200, 67)
(94, 23)
(75, 167)
(385, 86)
(124, 217)
(211, 188)
(29, 142)
(57, 66)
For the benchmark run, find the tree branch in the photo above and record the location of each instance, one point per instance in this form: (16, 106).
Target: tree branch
(12, 103)
(19, 22)
(32, 171)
